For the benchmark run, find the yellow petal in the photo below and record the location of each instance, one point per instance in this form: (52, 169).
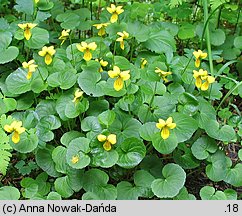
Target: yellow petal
(197, 63)
(169, 120)
(101, 138)
(119, 9)
(126, 34)
(114, 17)
(8, 128)
(111, 9)
(80, 47)
(125, 75)
(195, 74)
(101, 32)
(15, 137)
(118, 84)
(171, 125)
(51, 50)
(197, 54)
(87, 55)
(25, 65)
(92, 46)
(84, 44)
(48, 59)
(27, 34)
(107, 146)
(29, 75)
(160, 124)
(165, 133)
(20, 130)
(210, 79)
(103, 63)
(75, 159)
(115, 72)
(42, 53)
(22, 25)
(198, 82)
(31, 25)
(204, 55)
(122, 45)
(205, 86)
(112, 139)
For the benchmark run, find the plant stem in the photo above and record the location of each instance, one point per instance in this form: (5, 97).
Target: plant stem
(205, 8)
(132, 49)
(151, 101)
(72, 53)
(235, 27)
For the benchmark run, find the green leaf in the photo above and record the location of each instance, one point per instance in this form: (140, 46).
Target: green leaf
(183, 156)
(59, 158)
(9, 193)
(160, 42)
(69, 136)
(95, 181)
(89, 79)
(138, 30)
(54, 196)
(147, 130)
(8, 54)
(217, 37)
(171, 184)
(45, 162)
(64, 80)
(186, 31)
(17, 82)
(62, 187)
(185, 126)
(209, 193)
(78, 147)
(131, 152)
(164, 146)
(216, 171)
(107, 117)
(122, 62)
(69, 20)
(103, 158)
(126, 191)
(234, 176)
(203, 147)
(25, 6)
(143, 178)
(238, 42)
(28, 142)
(39, 38)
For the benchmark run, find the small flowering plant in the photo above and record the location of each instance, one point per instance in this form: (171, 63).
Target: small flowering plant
(120, 100)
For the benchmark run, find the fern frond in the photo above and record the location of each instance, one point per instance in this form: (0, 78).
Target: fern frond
(215, 3)
(5, 154)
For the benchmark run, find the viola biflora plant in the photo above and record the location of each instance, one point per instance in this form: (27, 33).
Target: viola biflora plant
(120, 100)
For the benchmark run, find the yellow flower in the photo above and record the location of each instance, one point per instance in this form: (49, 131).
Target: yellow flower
(75, 159)
(31, 68)
(47, 52)
(78, 94)
(84, 47)
(109, 140)
(199, 55)
(64, 35)
(115, 11)
(101, 28)
(163, 74)
(143, 63)
(27, 29)
(164, 126)
(102, 63)
(16, 128)
(121, 77)
(208, 80)
(123, 35)
(200, 76)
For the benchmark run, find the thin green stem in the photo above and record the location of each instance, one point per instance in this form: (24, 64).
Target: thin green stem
(72, 53)
(186, 65)
(205, 8)
(151, 101)
(132, 50)
(237, 21)
(206, 24)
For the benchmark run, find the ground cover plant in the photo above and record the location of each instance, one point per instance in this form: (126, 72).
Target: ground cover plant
(120, 99)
